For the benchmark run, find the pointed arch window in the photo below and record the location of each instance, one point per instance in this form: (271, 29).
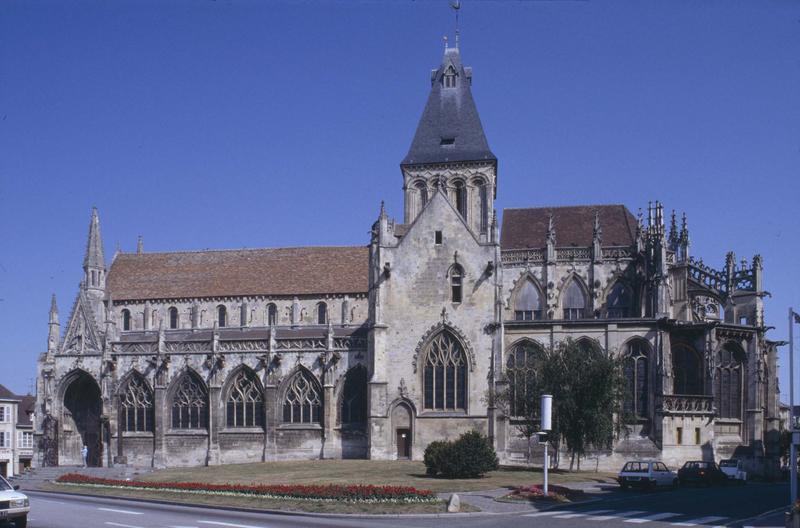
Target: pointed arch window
(136, 406)
(245, 405)
(190, 404)
(422, 189)
(618, 302)
(173, 318)
(354, 396)
(449, 78)
(456, 283)
(322, 313)
(728, 377)
(522, 372)
(222, 316)
(445, 374)
(303, 401)
(461, 198)
(272, 314)
(636, 373)
(528, 303)
(574, 301)
(483, 197)
(687, 368)
(126, 319)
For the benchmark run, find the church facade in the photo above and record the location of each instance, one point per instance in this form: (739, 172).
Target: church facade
(374, 351)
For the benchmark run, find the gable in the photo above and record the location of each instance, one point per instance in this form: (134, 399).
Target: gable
(81, 335)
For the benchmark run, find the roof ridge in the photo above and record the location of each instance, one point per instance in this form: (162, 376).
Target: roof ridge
(565, 206)
(232, 250)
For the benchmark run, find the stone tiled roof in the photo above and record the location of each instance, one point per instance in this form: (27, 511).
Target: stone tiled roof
(284, 271)
(574, 226)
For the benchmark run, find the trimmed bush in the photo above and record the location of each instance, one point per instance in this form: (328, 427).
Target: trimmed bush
(471, 456)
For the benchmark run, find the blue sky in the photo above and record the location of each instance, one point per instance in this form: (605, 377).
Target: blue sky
(227, 124)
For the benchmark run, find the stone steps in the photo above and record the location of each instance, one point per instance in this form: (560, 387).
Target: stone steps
(36, 477)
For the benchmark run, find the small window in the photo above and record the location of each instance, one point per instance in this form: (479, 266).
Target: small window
(322, 313)
(222, 316)
(126, 319)
(272, 314)
(679, 435)
(437, 238)
(697, 435)
(173, 318)
(461, 199)
(447, 141)
(449, 79)
(456, 281)
(743, 320)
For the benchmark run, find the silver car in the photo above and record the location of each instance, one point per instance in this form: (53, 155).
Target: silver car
(647, 474)
(14, 506)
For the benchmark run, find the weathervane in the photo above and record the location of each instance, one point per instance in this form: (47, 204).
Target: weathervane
(456, 5)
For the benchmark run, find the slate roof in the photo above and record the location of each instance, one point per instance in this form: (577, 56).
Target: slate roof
(26, 406)
(450, 113)
(6, 394)
(574, 226)
(284, 271)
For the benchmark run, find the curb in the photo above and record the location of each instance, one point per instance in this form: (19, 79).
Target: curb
(283, 512)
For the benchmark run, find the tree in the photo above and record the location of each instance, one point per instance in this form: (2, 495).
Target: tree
(588, 388)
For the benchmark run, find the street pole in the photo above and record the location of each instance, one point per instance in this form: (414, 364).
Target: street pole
(793, 447)
(545, 417)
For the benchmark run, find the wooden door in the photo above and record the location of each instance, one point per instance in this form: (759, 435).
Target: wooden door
(403, 443)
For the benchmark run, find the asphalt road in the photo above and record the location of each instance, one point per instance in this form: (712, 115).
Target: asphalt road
(730, 506)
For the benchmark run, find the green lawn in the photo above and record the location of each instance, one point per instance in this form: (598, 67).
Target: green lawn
(256, 503)
(378, 472)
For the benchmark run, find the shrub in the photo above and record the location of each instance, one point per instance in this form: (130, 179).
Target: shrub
(435, 454)
(470, 456)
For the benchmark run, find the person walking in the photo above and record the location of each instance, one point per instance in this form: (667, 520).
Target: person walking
(85, 454)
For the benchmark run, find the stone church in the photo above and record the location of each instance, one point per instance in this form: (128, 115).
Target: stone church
(226, 356)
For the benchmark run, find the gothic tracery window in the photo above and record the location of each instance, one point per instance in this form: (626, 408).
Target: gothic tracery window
(636, 379)
(528, 303)
(728, 382)
(618, 302)
(687, 368)
(245, 406)
(522, 372)
(574, 301)
(445, 374)
(456, 283)
(190, 404)
(136, 406)
(303, 400)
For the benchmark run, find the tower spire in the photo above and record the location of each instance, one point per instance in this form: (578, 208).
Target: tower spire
(53, 327)
(456, 6)
(94, 263)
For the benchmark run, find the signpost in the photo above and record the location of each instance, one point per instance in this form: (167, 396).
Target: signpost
(546, 426)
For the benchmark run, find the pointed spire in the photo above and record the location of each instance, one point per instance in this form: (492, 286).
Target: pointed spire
(673, 231)
(597, 231)
(53, 332)
(94, 246)
(140, 245)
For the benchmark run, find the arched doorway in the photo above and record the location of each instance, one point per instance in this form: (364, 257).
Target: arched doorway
(353, 413)
(82, 410)
(401, 424)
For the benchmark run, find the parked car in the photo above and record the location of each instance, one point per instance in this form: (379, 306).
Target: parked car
(701, 472)
(734, 470)
(647, 474)
(14, 506)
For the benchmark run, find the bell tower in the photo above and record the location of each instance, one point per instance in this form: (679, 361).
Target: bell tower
(450, 150)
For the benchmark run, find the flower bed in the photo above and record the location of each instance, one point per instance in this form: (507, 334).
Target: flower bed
(327, 492)
(535, 492)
